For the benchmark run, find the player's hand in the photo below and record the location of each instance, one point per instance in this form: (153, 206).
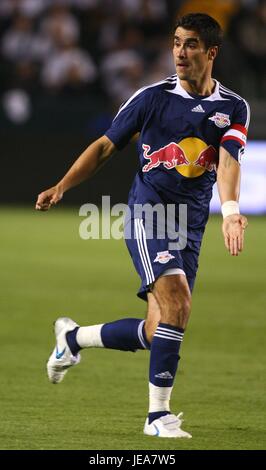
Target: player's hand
(48, 198)
(233, 232)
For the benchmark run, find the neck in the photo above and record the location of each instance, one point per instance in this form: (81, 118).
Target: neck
(204, 87)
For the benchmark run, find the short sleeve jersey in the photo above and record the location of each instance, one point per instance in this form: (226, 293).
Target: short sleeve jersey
(179, 139)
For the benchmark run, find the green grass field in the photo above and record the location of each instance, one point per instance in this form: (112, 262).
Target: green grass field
(47, 271)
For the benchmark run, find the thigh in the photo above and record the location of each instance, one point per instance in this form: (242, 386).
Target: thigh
(151, 256)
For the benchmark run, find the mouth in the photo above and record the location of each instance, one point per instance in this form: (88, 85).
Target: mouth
(182, 66)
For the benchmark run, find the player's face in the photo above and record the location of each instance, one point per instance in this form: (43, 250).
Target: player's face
(192, 60)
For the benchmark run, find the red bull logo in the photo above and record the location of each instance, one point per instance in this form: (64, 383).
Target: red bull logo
(206, 158)
(170, 156)
(220, 119)
(191, 157)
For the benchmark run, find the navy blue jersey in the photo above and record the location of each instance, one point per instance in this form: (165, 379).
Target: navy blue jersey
(178, 146)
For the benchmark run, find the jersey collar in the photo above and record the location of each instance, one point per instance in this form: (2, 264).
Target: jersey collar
(179, 90)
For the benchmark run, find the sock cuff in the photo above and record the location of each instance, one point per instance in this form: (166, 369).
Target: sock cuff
(171, 327)
(142, 335)
(168, 332)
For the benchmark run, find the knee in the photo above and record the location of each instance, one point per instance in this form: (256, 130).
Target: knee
(177, 310)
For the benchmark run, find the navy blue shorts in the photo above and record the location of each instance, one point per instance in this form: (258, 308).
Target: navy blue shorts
(152, 257)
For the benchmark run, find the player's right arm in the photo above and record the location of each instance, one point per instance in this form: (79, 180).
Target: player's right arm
(83, 168)
(127, 123)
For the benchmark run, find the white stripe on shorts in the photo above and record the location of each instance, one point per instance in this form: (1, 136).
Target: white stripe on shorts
(143, 251)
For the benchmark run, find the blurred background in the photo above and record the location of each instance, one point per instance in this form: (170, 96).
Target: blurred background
(66, 66)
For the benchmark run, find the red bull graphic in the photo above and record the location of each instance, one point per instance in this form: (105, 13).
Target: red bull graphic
(191, 157)
(170, 156)
(206, 159)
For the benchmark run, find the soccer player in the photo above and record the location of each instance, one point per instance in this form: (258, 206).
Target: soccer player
(192, 132)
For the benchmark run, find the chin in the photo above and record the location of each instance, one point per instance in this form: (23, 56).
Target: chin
(182, 76)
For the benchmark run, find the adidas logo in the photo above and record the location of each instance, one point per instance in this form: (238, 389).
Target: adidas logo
(198, 109)
(164, 375)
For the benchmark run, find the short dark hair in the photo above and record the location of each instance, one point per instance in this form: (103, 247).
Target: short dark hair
(208, 28)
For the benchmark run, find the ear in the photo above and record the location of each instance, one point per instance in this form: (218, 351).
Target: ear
(212, 53)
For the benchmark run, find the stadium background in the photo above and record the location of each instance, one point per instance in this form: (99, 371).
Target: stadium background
(65, 68)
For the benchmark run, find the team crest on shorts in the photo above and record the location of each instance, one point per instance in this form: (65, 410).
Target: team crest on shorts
(163, 257)
(220, 119)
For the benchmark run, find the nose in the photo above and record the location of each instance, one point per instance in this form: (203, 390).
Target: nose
(181, 53)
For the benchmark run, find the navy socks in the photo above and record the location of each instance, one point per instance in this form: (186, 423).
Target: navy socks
(163, 364)
(127, 334)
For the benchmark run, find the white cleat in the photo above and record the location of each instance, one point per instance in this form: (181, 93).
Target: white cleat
(61, 358)
(166, 426)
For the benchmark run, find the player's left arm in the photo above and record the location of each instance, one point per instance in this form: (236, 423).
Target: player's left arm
(232, 148)
(228, 182)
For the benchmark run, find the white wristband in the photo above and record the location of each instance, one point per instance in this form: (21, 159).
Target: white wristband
(230, 208)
